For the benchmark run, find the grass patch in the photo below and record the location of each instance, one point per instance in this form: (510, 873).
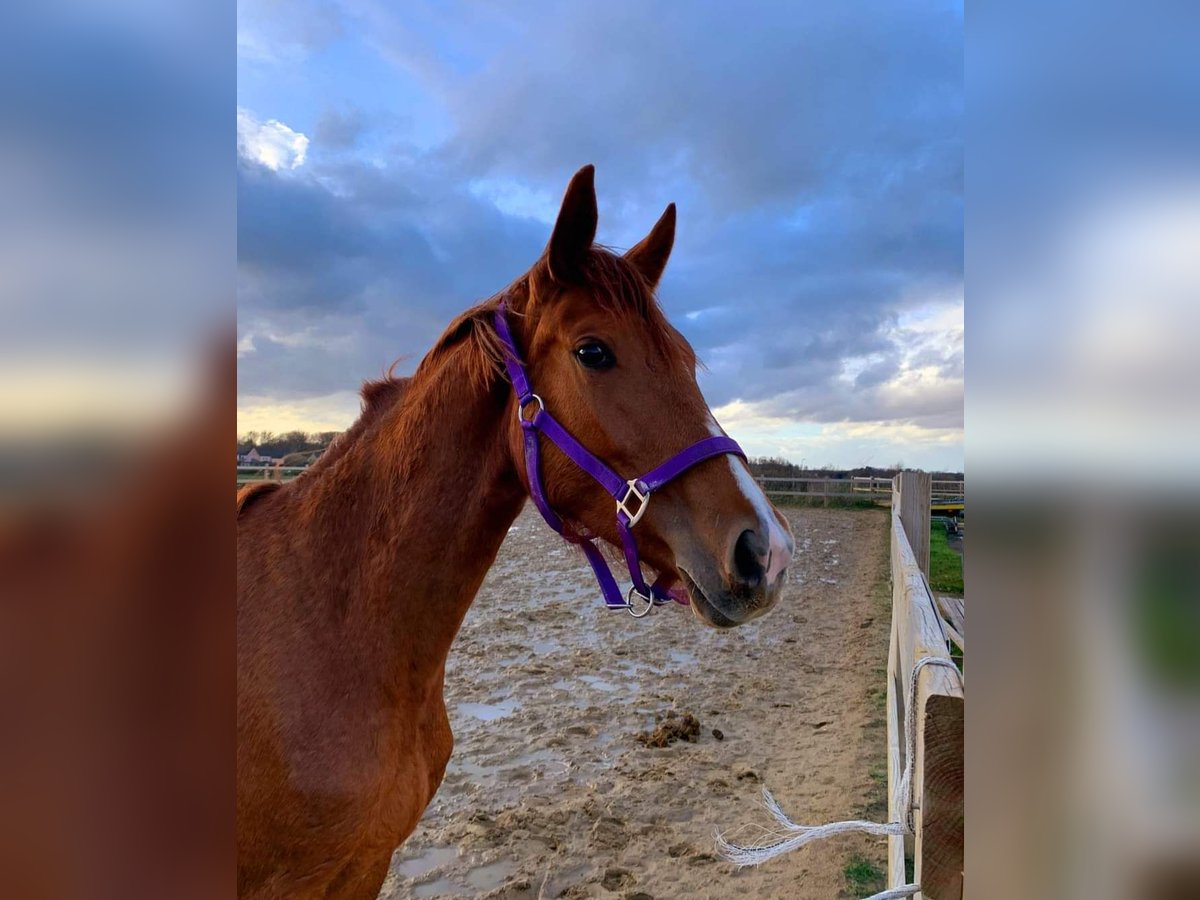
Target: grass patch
(945, 566)
(863, 876)
(876, 807)
(1166, 616)
(878, 696)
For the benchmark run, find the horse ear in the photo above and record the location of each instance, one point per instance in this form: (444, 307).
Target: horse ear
(576, 227)
(649, 255)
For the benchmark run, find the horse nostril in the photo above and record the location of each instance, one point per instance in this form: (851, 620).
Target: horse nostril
(748, 555)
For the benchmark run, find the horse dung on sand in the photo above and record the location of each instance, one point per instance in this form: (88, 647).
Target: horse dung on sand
(569, 387)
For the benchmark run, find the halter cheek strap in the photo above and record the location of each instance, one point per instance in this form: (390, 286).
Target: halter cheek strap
(632, 496)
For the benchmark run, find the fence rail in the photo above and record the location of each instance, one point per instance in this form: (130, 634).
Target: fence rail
(822, 488)
(878, 490)
(246, 474)
(918, 638)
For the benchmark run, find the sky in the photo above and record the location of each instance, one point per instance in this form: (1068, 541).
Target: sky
(399, 162)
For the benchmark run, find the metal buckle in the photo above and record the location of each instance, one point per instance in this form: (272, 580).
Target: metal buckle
(521, 404)
(633, 591)
(643, 502)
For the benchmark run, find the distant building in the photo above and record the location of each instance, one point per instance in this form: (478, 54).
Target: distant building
(254, 458)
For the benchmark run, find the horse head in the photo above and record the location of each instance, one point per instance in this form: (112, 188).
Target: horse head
(609, 367)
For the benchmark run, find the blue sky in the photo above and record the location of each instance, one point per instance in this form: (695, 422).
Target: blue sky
(399, 162)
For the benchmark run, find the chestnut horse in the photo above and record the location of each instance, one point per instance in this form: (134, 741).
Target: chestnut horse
(354, 579)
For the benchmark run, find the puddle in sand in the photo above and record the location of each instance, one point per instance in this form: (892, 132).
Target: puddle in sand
(599, 683)
(433, 858)
(439, 888)
(503, 664)
(537, 765)
(579, 698)
(681, 658)
(491, 876)
(537, 650)
(488, 712)
(478, 880)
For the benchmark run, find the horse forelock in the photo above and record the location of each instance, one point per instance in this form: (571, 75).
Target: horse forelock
(615, 284)
(620, 289)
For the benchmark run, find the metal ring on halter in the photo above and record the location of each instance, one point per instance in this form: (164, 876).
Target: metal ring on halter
(629, 600)
(643, 502)
(521, 404)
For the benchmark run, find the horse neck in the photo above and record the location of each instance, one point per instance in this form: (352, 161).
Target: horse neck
(413, 515)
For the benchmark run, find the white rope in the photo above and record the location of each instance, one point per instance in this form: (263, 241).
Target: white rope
(906, 890)
(793, 836)
(773, 843)
(910, 733)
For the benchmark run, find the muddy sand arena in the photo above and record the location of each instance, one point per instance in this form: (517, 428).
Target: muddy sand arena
(550, 792)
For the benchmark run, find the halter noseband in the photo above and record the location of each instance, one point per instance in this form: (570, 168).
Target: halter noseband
(632, 496)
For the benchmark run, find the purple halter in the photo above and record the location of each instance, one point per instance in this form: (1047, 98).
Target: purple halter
(632, 496)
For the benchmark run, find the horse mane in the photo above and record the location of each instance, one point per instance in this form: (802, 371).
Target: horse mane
(378, 397)
(252, 492)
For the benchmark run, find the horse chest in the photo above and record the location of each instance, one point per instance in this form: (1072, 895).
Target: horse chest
(402, 771)
(420, 752)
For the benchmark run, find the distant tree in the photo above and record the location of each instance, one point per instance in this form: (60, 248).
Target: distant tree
(774, 467)
(300, 445)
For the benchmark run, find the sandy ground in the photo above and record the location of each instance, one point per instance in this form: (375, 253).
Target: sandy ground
(548, 794)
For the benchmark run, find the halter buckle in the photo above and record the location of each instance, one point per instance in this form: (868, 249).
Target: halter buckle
(642, 499)
(634, 592)
(521, 404)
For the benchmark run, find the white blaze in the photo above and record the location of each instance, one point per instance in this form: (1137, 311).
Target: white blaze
(781, 544)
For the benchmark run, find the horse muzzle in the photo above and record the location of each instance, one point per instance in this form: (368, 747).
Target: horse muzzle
(744, 585)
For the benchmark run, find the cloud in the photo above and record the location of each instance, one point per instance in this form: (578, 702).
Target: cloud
(271, 143)
(841, 444)
(770, 110)
(343, 270)
(912, 375)
(273, 33)
(339, 129)
(814, 152)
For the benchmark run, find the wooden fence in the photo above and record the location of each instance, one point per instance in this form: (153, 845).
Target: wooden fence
(918, 634)
(826, 489)
(838, 490)
(247, 474)
(878, 490)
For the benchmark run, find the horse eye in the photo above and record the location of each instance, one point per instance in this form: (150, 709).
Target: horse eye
(594, 355)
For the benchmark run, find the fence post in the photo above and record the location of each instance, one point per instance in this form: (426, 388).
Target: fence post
(938, 713)
(915, 491)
